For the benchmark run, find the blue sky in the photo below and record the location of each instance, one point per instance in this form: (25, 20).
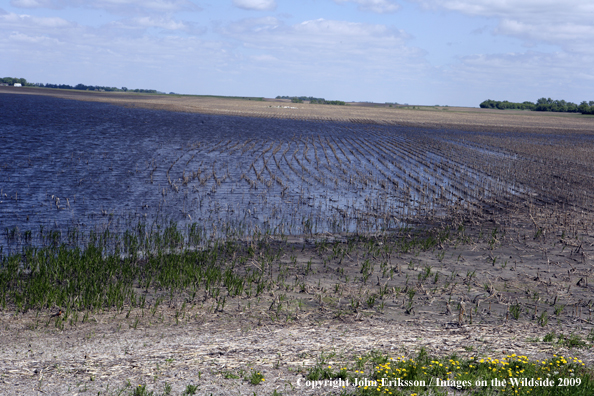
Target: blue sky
(447, 52)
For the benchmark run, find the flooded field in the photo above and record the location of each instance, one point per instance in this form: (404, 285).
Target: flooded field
(107, 214)
(68, 164)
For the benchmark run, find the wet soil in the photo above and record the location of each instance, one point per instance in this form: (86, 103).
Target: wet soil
(488, 289)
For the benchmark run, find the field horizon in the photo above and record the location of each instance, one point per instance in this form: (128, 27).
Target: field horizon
(464, 118)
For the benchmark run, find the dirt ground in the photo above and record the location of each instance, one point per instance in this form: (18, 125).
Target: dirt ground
(102, 358)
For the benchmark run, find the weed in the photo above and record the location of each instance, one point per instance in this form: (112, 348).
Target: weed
(141, 390)
(190, 390)
(573, 341)
(255, 378)
(549, 337)
(543, 319)
(515, 311)
(230, 375)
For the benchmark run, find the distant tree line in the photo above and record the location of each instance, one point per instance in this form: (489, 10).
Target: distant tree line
(299, 98)
(542, 104)
(311, 99)
(329, 102)
(14, 80)
(503, 105)
(81, 87)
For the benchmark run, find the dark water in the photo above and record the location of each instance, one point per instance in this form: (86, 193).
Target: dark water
(66, 164)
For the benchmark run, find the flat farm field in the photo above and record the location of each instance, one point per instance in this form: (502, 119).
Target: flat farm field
(381, 241)
(463, 118)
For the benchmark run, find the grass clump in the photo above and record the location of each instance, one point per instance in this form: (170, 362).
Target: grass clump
(571, 341)
(190, 390)
(255, 378)
(141, 390)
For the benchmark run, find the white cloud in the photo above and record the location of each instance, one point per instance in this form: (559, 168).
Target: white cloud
(356, 32)
(252, 24)
(530, 74)
(115, 55)
(264, 58)
(30, 39)
(539, 74)
(258, 5)
(549, 10)
(164, 23)
(378, 6)
(161, 22)
(28, 22)
(314, 29)
(125, 38)
(142, 23)
(560, 32)
(32, 3)
(328, 51)
(113, 6)
(52, 26)
(566, 23)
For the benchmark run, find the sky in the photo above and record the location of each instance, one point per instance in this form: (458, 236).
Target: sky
(424, 52)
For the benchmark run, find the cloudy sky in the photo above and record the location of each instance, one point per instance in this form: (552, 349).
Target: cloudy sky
(447, 52)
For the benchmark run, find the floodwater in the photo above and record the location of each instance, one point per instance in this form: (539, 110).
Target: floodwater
(69, 164)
